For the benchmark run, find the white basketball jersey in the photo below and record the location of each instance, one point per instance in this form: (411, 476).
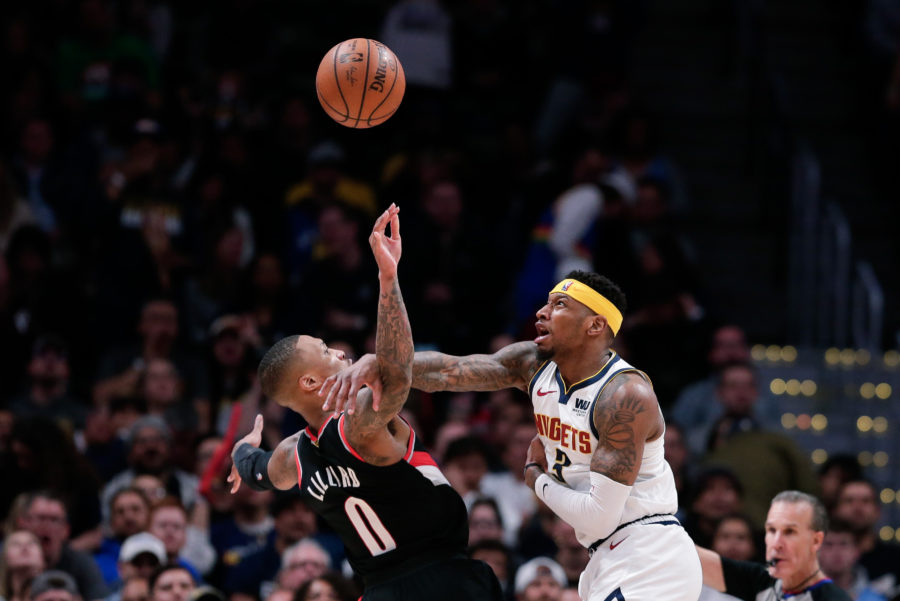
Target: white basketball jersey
(566, 427)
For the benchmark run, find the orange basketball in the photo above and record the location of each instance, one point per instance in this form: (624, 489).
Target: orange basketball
(360, 83)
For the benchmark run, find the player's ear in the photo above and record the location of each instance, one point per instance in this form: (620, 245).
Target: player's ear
(597, 325)
(308, 382)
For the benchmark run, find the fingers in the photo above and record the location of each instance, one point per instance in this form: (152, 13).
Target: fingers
(258, 424)
(395, 224)
(235, 478)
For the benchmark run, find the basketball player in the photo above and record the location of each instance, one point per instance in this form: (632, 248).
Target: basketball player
(795, 528)
(597, 461)
(404, 528)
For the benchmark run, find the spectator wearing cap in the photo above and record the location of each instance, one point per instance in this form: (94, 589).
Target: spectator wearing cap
(149, 452)
(46, 392)
(47, 517)
(540, 579)
(255, 574)
(129, 514)
(54, 585)
(141, 555)
(21, 560)
(171, 583)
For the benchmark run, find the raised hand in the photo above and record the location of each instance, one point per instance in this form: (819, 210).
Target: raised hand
(253, 438)
(340, 389)
(387, 249)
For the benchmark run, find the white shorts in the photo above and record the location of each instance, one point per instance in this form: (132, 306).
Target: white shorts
(651, 560)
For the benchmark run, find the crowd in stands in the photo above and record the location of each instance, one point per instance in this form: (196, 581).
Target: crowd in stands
(173, 201)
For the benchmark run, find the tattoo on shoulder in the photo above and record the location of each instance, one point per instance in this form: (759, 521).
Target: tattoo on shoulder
(614, 417)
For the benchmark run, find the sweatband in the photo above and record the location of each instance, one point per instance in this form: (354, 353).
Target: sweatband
(593, 300)
(253, 467)
(593, 515)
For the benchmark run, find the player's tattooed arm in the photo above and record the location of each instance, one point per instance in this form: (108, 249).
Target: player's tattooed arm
(625, 415)
(282, 464)
(511, 367)
(393, 335)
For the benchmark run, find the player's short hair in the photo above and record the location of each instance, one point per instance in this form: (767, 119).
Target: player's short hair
(819, 521)
(274, 365)
(603, 285)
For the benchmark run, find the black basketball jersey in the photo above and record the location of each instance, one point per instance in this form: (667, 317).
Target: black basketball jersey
(391, 518)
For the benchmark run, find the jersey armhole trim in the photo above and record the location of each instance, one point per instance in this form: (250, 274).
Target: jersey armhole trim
(346, 442)
(535, 376)
(297, 459)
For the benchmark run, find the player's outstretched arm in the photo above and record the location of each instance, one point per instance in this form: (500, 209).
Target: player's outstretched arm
(393, 335)
(261, 470)
(511, 367)
(625, 416)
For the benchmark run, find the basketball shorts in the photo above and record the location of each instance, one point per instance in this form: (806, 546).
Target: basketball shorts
(649, 560)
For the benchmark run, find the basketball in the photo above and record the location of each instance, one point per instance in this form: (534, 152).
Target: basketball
(360, 83)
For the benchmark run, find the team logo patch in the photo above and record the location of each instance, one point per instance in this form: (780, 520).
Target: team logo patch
(566, 286)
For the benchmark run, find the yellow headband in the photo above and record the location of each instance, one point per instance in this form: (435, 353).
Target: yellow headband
(593, 300)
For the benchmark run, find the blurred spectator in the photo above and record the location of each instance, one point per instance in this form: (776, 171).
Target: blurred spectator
(455, 262)
(509, 484)
(168, 523)
(302, 562)
(858, 505)
(20, 562)
(14, 210)
(129, 514)
(48, 519)
(678, 457)
(141, 555)
(44, 457)
(149, 454)
(233, 362)
(570, 554)
(839, 560)
(121, 368)
(717, 493)
(485, 522)
(837, 470)
(419, 31)
(243, 531)
(171, 583)
(693, 409)
(266, 299)
(733, 539)
(779, 463)
(326, 183)
(329, 586)
(103, 445)
(160, 388)
(47, 391)
(500, 557)
(343, 307)
(38, 178)
(54, 585)
(256, 573)
(135, 588)
(540, 579)
(465, 463)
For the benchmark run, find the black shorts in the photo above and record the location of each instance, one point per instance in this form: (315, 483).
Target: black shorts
(453, 579)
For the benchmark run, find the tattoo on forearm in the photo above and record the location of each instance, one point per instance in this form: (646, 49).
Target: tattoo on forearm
(393, 347)
(511, 367)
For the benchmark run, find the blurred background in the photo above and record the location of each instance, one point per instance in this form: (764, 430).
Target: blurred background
(173, 200)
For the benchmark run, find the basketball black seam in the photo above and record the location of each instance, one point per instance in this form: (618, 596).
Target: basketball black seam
(388, 95)
(362, 101)
(327, 104)
(337, 80)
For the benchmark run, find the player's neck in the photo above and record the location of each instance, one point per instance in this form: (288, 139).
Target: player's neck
(577, 366)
